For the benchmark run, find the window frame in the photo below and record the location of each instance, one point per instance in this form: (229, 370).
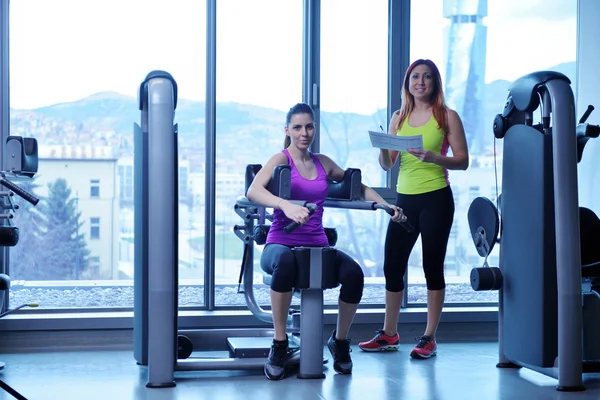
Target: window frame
(94, 187)
(4, 115)
(95, 226)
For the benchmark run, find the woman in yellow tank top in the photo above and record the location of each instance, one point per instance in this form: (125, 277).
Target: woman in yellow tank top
(424, 194)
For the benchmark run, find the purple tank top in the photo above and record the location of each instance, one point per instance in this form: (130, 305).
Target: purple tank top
(313, 191)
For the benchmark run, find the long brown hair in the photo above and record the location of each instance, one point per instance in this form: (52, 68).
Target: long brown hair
(437, 96)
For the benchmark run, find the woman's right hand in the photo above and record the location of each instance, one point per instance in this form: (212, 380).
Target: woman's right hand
(296, 213)
(398, 213)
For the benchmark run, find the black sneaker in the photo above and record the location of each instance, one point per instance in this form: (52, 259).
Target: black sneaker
(340, 351)
(275, 365)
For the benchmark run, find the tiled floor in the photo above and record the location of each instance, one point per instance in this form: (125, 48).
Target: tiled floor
(460, 372)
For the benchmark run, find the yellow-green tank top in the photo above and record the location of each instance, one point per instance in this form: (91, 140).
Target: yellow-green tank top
(416, 176)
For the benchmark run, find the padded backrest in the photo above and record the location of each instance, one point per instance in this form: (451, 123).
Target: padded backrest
(280, 183)
(251, 171)
(23, 159)
(350, 188)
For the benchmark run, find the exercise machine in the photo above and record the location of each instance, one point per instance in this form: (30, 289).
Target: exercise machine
(156, 340)
(157, 343)
(4, 291)
(548, 313)
(21, 158)
(314, 273)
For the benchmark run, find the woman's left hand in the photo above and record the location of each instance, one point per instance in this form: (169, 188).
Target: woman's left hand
(423, 155)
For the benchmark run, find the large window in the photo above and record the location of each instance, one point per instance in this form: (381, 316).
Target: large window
(259, 77)
(75, 69)
(354, 76)
(480, 47)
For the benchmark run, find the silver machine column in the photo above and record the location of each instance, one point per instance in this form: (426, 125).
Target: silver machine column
(568, 256)
(156, 230)
(315, 274)
(311, 320)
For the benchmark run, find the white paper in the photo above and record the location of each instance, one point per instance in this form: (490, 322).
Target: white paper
(400, 143)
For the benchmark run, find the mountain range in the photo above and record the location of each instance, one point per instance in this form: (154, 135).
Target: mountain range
(243, 129)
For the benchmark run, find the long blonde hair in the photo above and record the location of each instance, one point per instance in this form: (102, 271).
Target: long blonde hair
(437, 96)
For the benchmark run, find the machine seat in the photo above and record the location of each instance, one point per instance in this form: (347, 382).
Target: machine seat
(267, 279)
(331, 238)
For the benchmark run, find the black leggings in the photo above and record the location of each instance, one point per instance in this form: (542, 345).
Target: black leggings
(279, 261)
(432, 215)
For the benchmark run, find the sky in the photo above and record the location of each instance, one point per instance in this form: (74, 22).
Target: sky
(65, 50)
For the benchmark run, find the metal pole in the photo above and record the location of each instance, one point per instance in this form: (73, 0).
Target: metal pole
(4, 79)
(311, 63)
(77, 237)
(4, 118)
(211, 153)
(162, 253)
(568, 257)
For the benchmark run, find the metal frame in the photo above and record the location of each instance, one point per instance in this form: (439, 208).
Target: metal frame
(86, 321)
(159, 105)
(4, 110)
(311, 63)
(211, 153)
(567, 235)
(398, 62)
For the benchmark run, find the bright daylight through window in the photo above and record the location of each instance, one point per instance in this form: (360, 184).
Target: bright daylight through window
(75, 67)
(481, 47)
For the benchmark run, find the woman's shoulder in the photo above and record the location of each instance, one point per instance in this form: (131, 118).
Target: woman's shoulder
(278, 158)
(451, 114)
(323, 159)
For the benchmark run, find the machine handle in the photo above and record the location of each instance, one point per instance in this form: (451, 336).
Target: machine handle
(21, 192)
(586, 114)
(312, 207)
(406, 225)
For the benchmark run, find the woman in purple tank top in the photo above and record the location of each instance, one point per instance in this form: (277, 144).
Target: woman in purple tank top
(309, 175)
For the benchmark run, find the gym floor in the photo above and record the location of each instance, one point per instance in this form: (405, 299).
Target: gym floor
(460, 371)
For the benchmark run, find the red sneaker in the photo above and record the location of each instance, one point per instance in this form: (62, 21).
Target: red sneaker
(381, 342)
(426, 348)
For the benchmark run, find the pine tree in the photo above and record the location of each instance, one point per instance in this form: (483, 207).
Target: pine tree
(25, 258)
(64, 246)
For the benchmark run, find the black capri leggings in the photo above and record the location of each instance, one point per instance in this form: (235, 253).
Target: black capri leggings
(432, 215)
(279, 261)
